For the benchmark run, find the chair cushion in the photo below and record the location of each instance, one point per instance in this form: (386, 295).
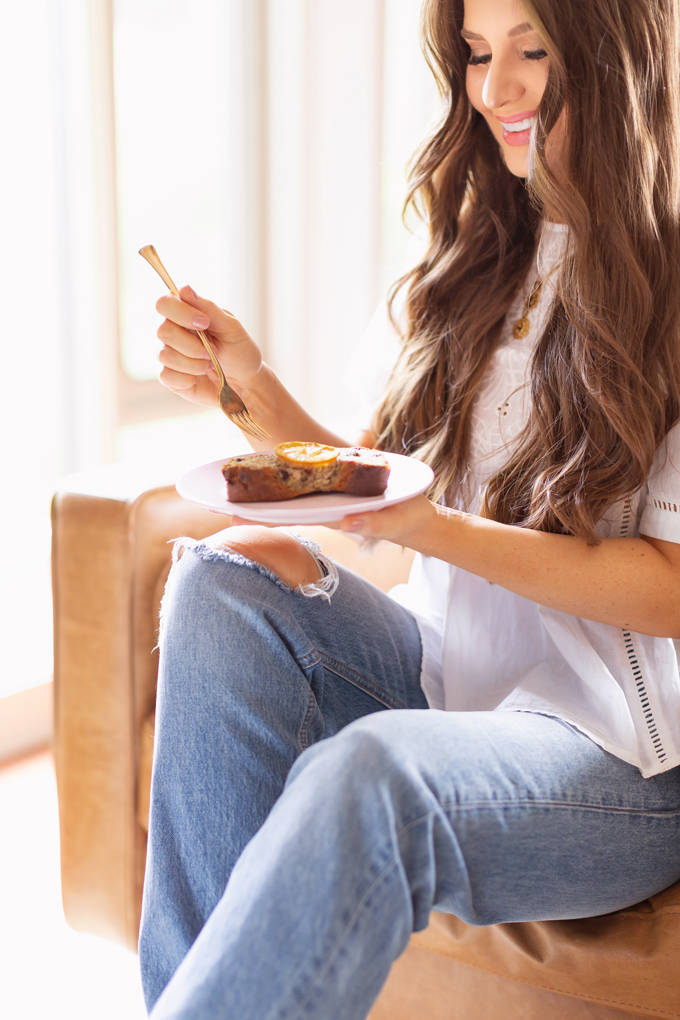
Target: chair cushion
(425, 985)
(629, 960)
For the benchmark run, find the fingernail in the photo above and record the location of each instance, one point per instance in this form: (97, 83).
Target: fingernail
(192, 292)
(200, 322)
(355, 525)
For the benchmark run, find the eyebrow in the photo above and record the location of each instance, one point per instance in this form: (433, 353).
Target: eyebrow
(517, 30)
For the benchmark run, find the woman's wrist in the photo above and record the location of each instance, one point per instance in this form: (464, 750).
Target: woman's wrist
(263, 398)
(276, 410)
(260, 391)
(409, 524)
(445, 526)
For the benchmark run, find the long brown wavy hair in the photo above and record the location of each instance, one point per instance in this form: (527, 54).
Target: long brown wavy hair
(605, 375)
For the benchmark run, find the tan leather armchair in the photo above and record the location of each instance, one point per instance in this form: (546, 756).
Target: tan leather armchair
(110, 560)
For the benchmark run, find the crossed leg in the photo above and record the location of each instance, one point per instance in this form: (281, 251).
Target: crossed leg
(299, 832)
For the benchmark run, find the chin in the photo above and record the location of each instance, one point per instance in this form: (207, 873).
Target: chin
(516, 159)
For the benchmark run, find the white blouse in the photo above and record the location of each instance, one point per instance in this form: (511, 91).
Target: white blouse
(486, 648)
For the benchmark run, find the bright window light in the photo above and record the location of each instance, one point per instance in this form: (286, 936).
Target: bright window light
(175, 158)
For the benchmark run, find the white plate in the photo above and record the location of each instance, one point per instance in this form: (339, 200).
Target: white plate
(206, 485)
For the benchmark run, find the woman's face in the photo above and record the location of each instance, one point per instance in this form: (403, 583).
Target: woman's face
(506, 75)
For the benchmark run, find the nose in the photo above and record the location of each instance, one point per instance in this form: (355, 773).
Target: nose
(501, 85)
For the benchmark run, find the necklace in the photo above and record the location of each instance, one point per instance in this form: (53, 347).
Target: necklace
(519, 331)
(521, 327)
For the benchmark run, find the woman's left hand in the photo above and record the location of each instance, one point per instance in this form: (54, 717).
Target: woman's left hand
(405, 524)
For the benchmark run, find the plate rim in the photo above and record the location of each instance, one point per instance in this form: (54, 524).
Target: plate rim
(321, 513)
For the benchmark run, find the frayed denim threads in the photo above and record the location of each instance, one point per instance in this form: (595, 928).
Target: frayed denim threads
(325, 587)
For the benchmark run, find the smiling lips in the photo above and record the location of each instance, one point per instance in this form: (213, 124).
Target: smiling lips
(517, 128)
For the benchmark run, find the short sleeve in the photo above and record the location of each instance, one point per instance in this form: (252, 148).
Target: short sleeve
(661, 514)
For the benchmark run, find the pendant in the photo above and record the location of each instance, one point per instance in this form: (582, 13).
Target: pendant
(521, 328)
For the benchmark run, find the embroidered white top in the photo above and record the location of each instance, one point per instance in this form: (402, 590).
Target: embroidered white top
(486, 648)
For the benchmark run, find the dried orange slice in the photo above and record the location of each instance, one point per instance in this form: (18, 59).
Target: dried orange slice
(307, 454)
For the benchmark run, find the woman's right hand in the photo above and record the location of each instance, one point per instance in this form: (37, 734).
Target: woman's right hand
(187, 369)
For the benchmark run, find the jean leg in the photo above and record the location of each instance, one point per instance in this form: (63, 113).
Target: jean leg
(491, 816)
(251, 673)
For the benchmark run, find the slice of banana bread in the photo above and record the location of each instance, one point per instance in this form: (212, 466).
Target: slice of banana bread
(255, 477)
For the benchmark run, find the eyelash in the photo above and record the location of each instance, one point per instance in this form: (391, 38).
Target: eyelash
(486, 57)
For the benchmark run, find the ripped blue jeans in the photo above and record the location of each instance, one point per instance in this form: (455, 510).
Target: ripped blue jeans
(300, 831)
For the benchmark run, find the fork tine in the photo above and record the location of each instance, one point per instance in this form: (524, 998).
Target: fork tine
(256, 429)
(263, 435)
(243, 423)
(246, 423)
(235, 416)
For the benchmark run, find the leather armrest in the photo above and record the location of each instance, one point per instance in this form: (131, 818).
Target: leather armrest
(108, 553)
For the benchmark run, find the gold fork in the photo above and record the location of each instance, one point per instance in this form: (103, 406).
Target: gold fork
(230, 402)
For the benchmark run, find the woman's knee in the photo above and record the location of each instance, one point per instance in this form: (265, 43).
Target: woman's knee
(276, 550)
(363, 755)
(193, 585)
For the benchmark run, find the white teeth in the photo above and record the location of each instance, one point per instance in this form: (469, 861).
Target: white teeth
(519, 125)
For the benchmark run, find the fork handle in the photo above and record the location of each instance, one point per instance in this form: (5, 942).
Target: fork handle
(152, 257)
(213, 356)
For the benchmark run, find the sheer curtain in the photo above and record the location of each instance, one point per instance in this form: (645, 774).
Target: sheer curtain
(261, 146)
(57, 407)
(348, 95)
(269, 172)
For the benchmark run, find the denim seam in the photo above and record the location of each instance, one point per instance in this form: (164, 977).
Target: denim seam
(508, 804)
(303, 735)
(560, 805)
(360, 681)
(342, 938)
(313, 658)
(388, 867)
(309, 659)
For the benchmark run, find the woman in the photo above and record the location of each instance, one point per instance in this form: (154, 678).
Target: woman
(530, 770)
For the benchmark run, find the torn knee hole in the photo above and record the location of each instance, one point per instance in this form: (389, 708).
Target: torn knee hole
(277, 551)
(289, 560)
